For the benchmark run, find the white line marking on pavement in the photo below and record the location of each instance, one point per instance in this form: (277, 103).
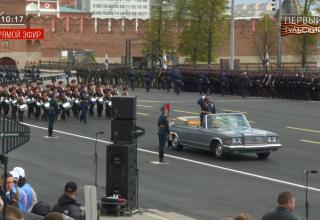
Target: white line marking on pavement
(192, 113)
(145, 106)
(157, 162)
(312, 142)
(303, 129)
(190, 161)
(139, 113)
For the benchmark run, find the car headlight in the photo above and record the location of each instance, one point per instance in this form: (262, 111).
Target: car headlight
(236, 140)
(272, 139)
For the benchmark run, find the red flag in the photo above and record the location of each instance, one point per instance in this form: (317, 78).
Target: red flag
(168, 106)
(48, 5)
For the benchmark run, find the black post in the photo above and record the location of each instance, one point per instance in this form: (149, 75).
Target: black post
(126, 56)
(307, 202)
(159, 29)
(307, 186)
(129, 52)
(96, 159)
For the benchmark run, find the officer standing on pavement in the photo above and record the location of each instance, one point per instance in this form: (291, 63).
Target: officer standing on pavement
(132, 77)
(223, 81)
(52, 114)
(84, 103)
(177, 80)
(200, 82)
(147, 80)
(163, 130)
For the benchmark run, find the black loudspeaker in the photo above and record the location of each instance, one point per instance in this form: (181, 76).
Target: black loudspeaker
(124, 107)
(122, 172)
(122, 131)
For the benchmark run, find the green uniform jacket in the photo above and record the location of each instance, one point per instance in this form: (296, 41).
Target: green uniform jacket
(163, 125)
(54, 109)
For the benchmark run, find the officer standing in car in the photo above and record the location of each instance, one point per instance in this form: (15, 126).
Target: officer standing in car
(163, 130)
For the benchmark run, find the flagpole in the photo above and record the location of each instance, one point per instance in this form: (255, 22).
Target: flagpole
(279, 44)
(231, 63)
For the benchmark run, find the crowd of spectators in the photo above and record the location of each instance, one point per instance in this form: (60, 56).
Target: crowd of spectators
(9, 75)
(18, 200)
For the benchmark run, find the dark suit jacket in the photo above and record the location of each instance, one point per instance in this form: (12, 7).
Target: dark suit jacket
(280, 213)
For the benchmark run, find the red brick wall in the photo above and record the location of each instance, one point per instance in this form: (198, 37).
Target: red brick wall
(113, 42)
(244, 41)
(69, 3)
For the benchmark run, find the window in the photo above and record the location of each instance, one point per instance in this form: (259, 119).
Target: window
(5, 45)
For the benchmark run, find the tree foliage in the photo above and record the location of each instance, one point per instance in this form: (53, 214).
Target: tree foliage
(265, 37)
(304, 43)
(206, 22)
(158, 29)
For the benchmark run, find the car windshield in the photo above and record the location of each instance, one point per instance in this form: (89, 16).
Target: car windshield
(227, 121)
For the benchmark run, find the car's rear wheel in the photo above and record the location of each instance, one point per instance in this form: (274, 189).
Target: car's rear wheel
(175, 143)
(217, 150)
(263, 156)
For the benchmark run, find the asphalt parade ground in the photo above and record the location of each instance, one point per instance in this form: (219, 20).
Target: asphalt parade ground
(193, 183)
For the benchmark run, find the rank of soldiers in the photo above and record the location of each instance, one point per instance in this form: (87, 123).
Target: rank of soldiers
(34, 99)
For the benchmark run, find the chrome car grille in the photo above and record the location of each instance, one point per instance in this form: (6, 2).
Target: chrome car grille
(255, 140)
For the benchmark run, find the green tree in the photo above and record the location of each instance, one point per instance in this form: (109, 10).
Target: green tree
(192, 38)
(264, 38)
(303, 44)
(216, 19)
(204, 25)
(158, 29)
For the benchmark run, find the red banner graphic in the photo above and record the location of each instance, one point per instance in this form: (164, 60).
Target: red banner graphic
(22, 34)
(297, 29)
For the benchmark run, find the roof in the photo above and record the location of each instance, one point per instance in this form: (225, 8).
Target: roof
(290, 7)
(64, 9)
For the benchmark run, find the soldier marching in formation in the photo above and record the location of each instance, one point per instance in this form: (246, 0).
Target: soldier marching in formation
(285, 85)
(71, 100)
(78, 99)
(289, 85)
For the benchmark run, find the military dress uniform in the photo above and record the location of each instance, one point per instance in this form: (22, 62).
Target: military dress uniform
(163, 132)
(84, 103)
(52, 115)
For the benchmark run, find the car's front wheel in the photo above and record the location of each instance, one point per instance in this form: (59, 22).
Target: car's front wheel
(175, 144)
(263, 156)
(217, 149)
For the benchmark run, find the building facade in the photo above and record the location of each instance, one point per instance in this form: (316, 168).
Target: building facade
(254, 9)
(75, 30)
(68, 3)
(83, 5)
(129, 9)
